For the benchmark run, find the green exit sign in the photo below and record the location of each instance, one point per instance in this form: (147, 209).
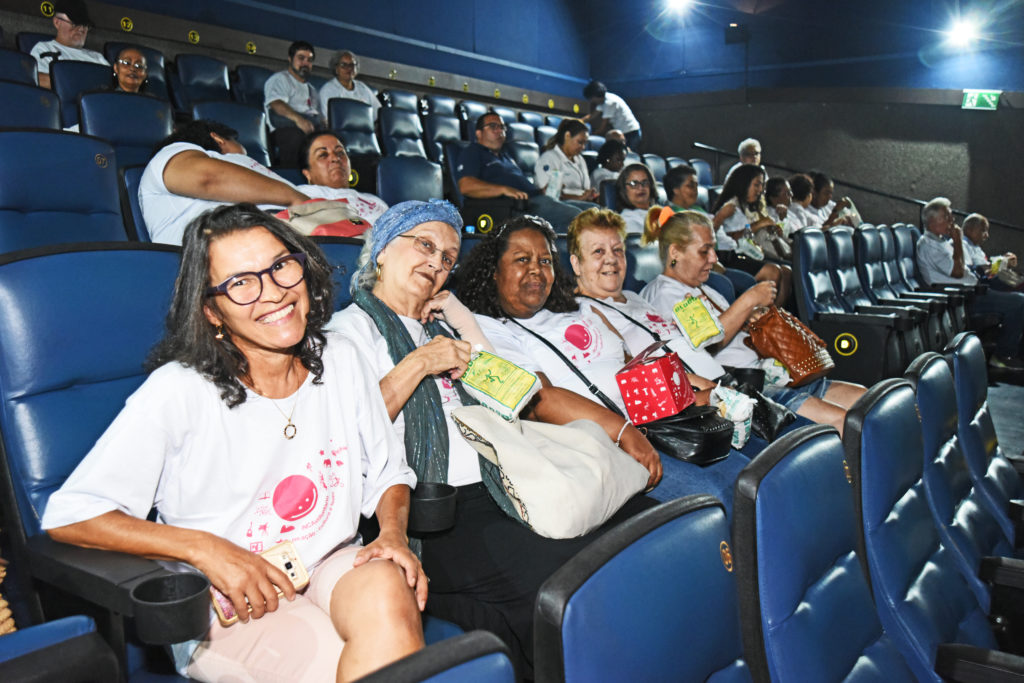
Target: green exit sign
(987, 100)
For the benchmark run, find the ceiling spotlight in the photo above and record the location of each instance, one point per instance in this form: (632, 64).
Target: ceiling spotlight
(963, 32)
(679, 6)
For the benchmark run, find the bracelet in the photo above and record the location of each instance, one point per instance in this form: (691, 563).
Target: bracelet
(618, 439)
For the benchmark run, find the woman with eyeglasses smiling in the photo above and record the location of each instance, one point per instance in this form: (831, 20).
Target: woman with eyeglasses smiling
(130, 71)
(636, 190)
(257, 427)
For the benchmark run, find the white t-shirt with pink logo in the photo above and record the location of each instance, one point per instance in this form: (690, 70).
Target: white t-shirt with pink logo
(231, 472)
(581, 336)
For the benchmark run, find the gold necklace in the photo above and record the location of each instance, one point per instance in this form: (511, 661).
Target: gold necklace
(289, 429)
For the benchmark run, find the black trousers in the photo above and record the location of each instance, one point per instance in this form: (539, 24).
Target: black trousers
(486, 570)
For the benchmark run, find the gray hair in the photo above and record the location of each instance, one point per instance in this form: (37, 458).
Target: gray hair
(748, 145)
(337, 58)
(975, 219)
(932, 210)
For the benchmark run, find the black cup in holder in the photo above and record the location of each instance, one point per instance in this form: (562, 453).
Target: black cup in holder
(171, 608)
(432, 508)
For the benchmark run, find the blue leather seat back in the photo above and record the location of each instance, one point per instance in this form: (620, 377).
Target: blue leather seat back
(202, 78)
(507, 115)
(553, 120)
(870, 263)
(672, 162)
(26, 40)
(71, 79)
(643, 263)
(597, 621)
(798, 567)
(130, 179)
(521, 132)
(906, 254)
(34, 213)
(133, 124)
(921, 598)
(657, 166)
(440, 105)
(403, 178)
(18, 67)
(703, 169)
(75, 330)
(401, 132)
(248, 85)
(723, 285)
(993, 475)
(525, 154)
(439, 130)
(544, 133)
(741, 281)
(23, 105)
(452, 152)
(812, 279)
(843, 264)
(594, 142)
(156, 72)
(608, 195)
(343, 255)
(468, 112)
(249, 120)
(352, 121)
(400, 99)
(890, 262)
(532, 118)
(633, 158)
(965, 525)
(590, 157)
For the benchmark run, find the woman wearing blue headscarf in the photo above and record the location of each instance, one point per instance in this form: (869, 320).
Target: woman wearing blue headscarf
(485, 571)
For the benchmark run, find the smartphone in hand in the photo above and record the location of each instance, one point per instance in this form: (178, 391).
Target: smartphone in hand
(284, 557)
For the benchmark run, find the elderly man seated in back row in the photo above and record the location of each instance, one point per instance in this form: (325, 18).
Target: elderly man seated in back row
(942, 260)
(202, 165)
(72, 21)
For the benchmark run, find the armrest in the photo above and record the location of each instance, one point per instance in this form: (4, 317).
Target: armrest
(900, 308)
(877, 319)
(935, 303)
(126, 584)
(957, 662)
(1002, 571)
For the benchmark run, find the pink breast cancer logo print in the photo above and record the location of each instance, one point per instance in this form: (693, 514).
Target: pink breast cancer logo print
(579, 336)
(294, 498)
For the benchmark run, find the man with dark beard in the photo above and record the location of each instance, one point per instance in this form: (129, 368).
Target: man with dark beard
(292, 104)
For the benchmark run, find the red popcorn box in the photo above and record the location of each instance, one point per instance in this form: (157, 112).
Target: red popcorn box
(654, 387)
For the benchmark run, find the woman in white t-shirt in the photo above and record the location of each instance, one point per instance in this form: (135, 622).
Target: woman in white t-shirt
(687, 247)
(636, 189)
(561, 162)
(257, 428)
(799, 216)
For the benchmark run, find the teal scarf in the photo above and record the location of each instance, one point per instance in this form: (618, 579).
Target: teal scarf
(426, 429)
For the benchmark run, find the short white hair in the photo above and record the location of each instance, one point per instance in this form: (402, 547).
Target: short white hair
(748, 144)
(933, 208)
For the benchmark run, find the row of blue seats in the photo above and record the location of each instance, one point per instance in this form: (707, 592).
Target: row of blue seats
(895, 518)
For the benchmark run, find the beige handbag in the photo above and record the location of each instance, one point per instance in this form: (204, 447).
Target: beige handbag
(563, 480)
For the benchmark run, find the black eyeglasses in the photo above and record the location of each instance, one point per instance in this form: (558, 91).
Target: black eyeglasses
(638, 183)
(348, 65)
(427, 248)
(247, 288)
(141, 66)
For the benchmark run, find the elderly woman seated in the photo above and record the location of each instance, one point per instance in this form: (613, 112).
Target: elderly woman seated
(486, 570)
(687, 246)
(223, 439)
(525, 301)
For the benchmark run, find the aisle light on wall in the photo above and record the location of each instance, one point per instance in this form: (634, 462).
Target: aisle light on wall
(963, 32)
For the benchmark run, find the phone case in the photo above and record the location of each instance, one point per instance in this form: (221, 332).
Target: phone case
(284, 557)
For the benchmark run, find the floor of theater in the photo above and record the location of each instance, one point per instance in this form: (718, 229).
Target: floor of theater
(1006, 401)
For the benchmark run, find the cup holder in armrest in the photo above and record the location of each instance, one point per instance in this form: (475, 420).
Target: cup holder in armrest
(432, 508)
(171, 608)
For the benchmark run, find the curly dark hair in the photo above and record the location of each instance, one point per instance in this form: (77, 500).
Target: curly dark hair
(476, 286)
(189, 338)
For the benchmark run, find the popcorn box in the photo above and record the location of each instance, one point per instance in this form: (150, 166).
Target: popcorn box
(654, 387)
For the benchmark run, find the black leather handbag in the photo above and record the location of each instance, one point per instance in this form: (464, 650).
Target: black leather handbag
(698, 435)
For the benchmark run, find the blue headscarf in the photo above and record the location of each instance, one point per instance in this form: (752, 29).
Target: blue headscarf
(403, 217)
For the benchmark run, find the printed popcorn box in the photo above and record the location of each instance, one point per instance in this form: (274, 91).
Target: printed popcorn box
(654, 387)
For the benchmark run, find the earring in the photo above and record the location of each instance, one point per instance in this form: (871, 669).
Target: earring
(220, 333)
(377, 271)
(672, 264)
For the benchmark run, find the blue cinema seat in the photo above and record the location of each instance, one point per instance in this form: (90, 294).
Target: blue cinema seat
(248, 119)
(403, 100)
(995, 477)
(18, 67)
(156, 68)
(704, 175)
(468, 112)
(553, 120)
(905, 242)
(474, 657)
(67, 650)
(543, 133)
(23, 105)
(653, 599)
(352, 122)
(70, 79)
(26, 40)
(402, 178)
(805, 604)
(965, 523)
(438, 131)
(85, 208)
(247, 87)
(131, 209)
(923, 602)
(532, 118)
(522, 132)
(594, 143)
(401, 132)
(133, 124)
(199, 78)
(866, 347)
(343, 254)
(433, 104)
(525, 154)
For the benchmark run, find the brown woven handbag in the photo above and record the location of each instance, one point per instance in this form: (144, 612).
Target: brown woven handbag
(780, 335)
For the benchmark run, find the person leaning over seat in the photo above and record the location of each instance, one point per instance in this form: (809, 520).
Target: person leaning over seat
(222, 438)
(485, 571)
